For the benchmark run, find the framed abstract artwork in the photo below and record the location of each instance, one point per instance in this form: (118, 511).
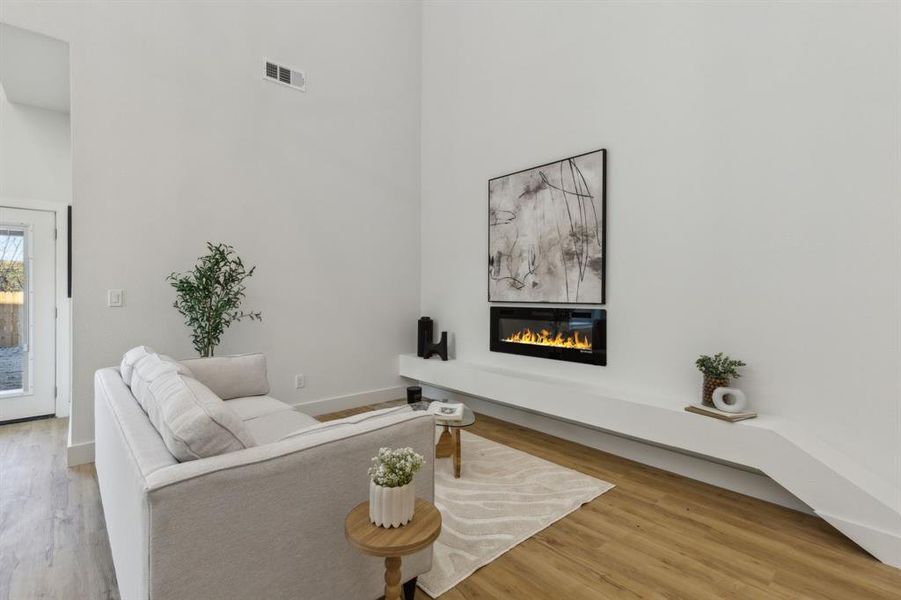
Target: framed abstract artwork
(546, 232)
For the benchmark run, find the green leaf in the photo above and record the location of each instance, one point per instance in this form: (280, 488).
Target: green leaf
(210, 295)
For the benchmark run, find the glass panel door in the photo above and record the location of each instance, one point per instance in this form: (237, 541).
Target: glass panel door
(27, 313)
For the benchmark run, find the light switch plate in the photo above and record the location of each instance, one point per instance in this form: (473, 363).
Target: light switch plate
(299, 382)
(115, 298)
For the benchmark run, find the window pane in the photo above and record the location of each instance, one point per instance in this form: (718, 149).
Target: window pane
(13, 325)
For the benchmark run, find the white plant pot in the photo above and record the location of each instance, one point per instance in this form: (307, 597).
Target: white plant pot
(391, 507)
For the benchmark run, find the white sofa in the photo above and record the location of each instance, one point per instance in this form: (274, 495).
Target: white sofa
(265, 522)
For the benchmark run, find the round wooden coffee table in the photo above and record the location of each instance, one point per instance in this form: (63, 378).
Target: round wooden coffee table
(394, 543)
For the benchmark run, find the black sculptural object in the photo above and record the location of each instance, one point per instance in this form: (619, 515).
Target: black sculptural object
(424, 346)
(440, 348)
(424, 335)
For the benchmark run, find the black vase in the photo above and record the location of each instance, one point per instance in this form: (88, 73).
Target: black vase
(424, 338)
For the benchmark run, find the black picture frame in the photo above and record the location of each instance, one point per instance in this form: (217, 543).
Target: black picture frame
(603, 232)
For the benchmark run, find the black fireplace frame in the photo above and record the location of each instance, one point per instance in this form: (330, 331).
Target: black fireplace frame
(596, 356)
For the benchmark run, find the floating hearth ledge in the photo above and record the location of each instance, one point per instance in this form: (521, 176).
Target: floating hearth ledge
(852, 499)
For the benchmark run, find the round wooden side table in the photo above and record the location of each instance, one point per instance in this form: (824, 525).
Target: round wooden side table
(394, 543)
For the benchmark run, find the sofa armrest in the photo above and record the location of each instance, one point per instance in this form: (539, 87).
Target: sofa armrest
(373, 418)
(268, 522)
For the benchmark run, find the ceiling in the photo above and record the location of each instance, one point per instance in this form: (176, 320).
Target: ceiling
(34, 69)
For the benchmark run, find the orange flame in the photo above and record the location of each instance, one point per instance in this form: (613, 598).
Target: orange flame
(543, 338)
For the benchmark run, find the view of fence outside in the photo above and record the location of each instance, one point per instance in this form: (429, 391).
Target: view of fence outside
(10, 318)
(12, 315)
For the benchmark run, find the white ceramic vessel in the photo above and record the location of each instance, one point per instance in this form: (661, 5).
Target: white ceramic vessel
(730, 400)
(391, 507)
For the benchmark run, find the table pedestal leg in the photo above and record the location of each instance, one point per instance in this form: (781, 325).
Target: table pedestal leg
(392, 579)
(445, 445)
(457, 460)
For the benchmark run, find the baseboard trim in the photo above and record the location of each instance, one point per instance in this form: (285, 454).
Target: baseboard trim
(26, 419)
(80, 454)
(736, 479)
(336, 403)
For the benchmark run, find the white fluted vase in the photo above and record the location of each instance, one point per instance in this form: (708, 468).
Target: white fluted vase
(391, 506)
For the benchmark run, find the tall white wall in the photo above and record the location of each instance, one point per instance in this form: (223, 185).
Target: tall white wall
(35, 153)
(753, 199)
(179, 140)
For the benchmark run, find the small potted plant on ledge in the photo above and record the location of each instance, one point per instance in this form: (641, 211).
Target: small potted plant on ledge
(391, 492)
(718, 370)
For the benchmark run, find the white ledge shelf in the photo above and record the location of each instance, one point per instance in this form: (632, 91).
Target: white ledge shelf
(648, 419)
(852, 499)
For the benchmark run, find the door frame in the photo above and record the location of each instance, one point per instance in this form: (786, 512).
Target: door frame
(63, 329)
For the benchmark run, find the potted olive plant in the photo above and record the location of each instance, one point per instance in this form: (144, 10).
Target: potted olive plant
(210, 295)
(391, 492)
(718, 370)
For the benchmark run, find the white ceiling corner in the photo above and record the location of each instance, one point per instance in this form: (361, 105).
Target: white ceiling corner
(34, 69)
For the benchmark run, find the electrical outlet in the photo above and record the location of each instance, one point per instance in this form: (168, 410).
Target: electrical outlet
(299, 381)
(115, 298)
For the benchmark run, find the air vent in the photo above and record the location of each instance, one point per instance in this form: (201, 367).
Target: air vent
(285, 76)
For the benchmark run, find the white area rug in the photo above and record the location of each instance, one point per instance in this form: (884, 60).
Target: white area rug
(504, 497)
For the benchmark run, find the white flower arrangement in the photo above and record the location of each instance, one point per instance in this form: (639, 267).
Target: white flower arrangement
(395, 468)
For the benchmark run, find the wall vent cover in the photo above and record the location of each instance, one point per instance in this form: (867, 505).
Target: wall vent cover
(286, 76)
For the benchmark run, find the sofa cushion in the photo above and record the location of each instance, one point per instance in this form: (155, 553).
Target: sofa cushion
(145, 371)
(180, 368)
(231, 376)
(192, 420)
(251, 407)
(158, 364)
(130, 359)
(274, 426)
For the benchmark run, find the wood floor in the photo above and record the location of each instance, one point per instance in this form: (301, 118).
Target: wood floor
(660, 535)
(53, 540)
(655, 535)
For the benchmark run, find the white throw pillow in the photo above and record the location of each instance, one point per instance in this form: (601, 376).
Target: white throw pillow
(193, 422)
(182, 369)
(232, 376)
(130, 359)
(148, 369)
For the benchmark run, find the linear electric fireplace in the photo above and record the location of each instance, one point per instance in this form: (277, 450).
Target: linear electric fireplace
(573, 334)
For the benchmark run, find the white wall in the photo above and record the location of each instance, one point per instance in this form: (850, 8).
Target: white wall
(178, 140)
(35, 153)
(753, 200)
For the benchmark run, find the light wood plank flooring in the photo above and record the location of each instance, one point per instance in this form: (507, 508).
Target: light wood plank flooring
(660, 535)
(656, 535)
(53, 541)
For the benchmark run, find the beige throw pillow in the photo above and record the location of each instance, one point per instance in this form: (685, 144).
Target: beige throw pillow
(130, 359)
(192, 420)
(182, 369)
(149, 368)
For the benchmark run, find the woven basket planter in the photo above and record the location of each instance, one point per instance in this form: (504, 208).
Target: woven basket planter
(710, 384)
